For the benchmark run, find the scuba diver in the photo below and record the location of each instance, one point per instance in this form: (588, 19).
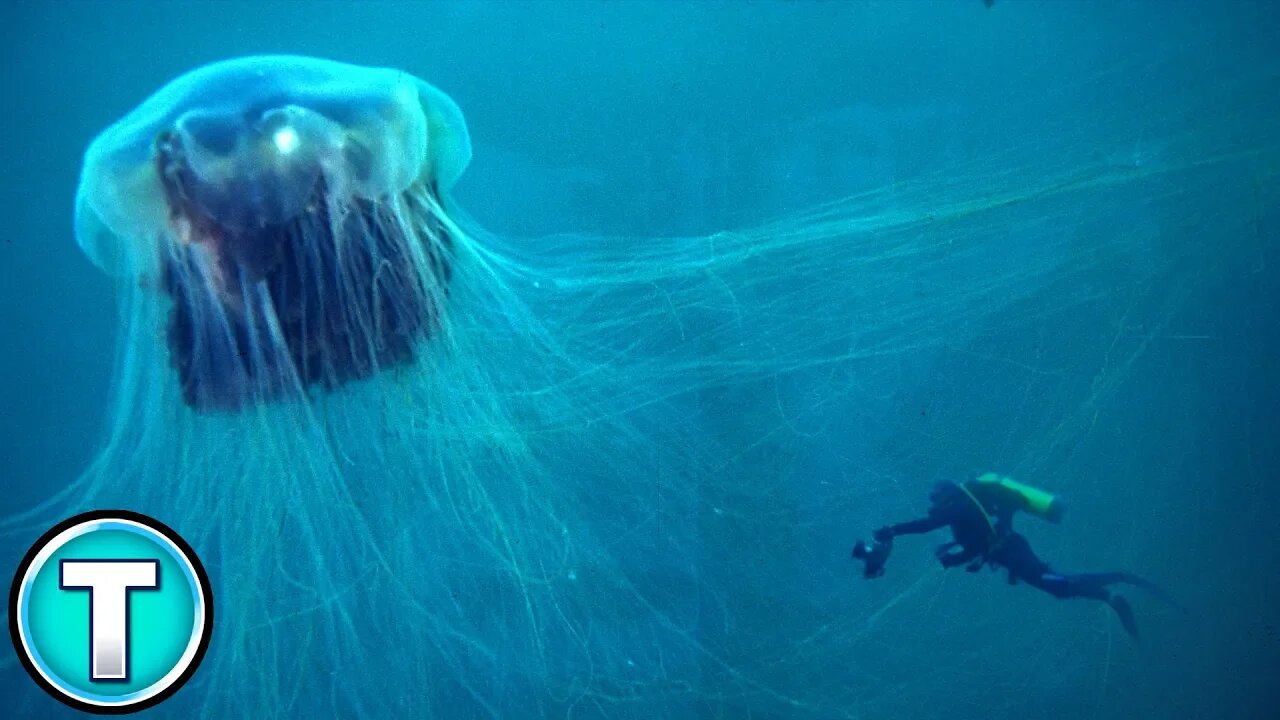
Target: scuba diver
(980, 515)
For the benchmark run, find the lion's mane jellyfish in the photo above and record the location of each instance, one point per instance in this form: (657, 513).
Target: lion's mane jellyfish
(333, 389)
(438, 472)
(289, 211)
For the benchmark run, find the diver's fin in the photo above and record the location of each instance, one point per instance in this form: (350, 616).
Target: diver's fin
(1151, 588)
(1121, 606)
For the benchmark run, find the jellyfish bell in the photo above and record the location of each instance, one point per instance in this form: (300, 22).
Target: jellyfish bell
(289, 208)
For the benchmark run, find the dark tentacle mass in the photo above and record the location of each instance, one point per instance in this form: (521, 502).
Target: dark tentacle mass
(316, 300)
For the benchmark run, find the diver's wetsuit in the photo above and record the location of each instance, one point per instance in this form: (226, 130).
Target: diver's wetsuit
(978, 516)
(981, 518)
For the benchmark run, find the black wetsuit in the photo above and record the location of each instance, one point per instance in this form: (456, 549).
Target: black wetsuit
(980, 516)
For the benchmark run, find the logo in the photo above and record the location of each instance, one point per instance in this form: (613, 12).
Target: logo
(111, 612)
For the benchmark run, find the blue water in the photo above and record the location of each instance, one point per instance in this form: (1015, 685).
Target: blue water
(1153, 410)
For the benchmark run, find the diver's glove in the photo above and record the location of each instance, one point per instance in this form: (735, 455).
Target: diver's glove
(946, 557)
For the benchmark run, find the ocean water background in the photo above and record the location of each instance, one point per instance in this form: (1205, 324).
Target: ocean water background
(651, 119)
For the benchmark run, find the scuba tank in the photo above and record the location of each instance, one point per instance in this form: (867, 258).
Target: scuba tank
(1032, 500)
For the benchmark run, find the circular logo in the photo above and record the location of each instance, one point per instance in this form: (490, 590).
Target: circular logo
(111, 611)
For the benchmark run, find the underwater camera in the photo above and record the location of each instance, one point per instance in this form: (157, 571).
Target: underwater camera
(873, 557)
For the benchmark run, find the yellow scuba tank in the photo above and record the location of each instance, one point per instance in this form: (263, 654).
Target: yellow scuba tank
(1032, 500)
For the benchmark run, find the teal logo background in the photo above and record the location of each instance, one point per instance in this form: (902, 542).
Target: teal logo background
(168, 626)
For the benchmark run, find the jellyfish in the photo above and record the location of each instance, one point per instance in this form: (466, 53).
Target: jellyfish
(336, 391)
(225, 184)
(438, 472)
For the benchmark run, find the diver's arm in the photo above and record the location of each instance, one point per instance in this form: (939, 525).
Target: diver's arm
(925, 524)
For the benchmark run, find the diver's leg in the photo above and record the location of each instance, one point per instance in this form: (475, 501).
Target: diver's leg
(1112, 578)
(1015, 553)
(1088, 585)
(1057, 585)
